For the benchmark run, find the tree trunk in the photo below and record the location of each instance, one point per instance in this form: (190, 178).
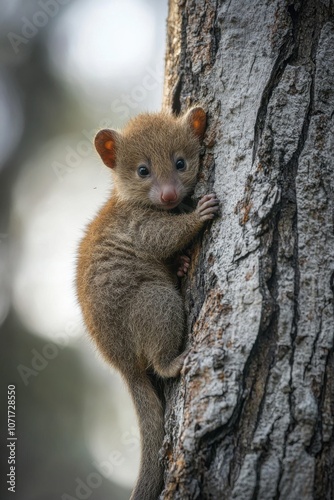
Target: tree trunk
(252, 416)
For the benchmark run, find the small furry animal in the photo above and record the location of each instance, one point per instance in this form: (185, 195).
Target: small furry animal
(126, 285)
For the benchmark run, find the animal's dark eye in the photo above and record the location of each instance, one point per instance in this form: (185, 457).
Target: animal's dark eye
(143, 171)
(180, 164)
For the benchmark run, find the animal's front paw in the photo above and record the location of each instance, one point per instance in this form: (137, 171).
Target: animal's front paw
(183, 263)
(208, 207)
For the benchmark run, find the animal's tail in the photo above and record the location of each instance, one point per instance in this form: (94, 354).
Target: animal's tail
(151, 423)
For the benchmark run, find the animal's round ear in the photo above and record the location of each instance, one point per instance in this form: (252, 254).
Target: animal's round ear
(106, 143)
(196, 118)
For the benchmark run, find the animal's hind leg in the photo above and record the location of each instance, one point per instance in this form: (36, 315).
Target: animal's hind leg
(159, 317)
(166, 367)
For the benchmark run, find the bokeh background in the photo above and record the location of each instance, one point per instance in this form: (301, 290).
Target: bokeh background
(67, 69)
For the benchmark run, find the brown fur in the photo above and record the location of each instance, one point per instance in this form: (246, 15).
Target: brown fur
(128, 295)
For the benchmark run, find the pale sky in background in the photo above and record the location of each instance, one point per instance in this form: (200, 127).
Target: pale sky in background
(105, 41)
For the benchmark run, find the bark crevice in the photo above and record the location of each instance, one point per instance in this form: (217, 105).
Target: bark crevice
(257, 394)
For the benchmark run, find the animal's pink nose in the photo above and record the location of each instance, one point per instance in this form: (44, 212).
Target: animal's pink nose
(168, 195)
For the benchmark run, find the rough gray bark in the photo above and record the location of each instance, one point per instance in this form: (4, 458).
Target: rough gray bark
(252, 417)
